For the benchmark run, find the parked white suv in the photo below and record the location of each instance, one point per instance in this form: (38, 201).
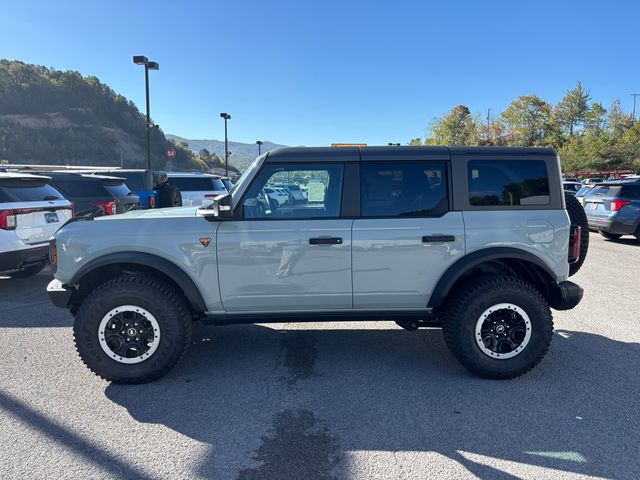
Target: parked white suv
(196, 187)
(31, 211)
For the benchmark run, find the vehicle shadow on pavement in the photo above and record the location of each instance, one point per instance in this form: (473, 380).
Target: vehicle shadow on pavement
(624, 241)
(24, 304)
(301, 403)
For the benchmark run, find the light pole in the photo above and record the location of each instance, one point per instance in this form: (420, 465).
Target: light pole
(226, 117)
(142, 60)
(634, 95)
(259, 143)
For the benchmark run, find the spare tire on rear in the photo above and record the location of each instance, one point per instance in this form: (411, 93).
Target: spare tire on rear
(170, 196)
(578, 217)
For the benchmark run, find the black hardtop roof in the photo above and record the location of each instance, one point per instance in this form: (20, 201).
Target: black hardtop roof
(407, 152)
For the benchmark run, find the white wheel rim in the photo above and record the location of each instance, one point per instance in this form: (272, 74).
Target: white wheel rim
(502, 325)
(137, 334)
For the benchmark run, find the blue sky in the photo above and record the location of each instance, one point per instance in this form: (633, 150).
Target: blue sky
(317, 72)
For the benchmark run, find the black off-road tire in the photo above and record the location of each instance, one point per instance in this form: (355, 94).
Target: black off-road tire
(170, 196)
(610, 236)
(466, 305)
(156, 296)
(578, 217)
(29, 271)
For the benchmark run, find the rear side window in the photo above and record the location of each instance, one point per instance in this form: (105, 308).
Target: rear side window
(508, 182)
(193, 184)
(15, 190)
(404, 189)
(631, 191)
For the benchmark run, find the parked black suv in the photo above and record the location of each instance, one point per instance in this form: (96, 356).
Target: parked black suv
(95, 195)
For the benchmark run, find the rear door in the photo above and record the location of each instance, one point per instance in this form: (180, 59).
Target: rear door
(288, 257)
(406, 236)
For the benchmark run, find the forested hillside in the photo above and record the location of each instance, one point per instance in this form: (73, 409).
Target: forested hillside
(587, 135)
(53, 117)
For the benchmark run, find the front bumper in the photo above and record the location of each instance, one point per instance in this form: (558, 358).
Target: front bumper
(565, 295)
(17, 259)
(59, 294)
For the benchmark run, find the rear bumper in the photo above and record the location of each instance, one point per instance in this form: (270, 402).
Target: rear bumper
(565, 295)
(17, 259)
(611, 225)
(58, 293)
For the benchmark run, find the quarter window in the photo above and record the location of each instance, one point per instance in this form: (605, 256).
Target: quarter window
(295, 191)
(404, 189)
(508, 182)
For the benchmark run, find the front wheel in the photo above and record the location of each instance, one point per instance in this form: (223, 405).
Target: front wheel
(132, 329)
(497, 326)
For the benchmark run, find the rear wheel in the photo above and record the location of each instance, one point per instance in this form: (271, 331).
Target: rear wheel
(170, 196)
(29, 271)
(610, 236)
(578, 217)
(497, 326)
(132, 329)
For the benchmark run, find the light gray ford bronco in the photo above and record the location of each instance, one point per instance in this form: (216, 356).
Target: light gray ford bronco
(478, 241)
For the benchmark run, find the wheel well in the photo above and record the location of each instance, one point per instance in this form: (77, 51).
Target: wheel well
(99, 275)
(525, 270)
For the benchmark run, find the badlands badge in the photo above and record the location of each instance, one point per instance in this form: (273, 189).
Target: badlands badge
(205, 241)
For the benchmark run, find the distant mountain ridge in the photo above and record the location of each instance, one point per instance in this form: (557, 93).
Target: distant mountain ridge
(242, 154)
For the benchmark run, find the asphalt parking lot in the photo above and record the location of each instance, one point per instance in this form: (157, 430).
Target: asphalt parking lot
(330, 400)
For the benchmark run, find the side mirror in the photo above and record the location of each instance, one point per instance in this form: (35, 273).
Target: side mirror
(222, 208)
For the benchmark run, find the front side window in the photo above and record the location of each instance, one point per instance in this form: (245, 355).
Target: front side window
(295, 191)
(508, 182)
(404, 189)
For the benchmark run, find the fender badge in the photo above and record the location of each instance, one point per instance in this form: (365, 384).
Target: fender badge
(205, 241)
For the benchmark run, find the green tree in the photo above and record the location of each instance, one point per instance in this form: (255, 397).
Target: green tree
(573, 109)
(527, 119)
(458, 127)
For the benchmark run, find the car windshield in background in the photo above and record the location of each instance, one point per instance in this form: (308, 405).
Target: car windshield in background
(583, 191)
(15, 190)
(196, 184)
(118, 189)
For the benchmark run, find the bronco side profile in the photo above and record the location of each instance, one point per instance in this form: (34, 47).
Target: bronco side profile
(479, 241)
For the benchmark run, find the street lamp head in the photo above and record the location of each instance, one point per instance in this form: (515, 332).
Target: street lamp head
(140, 59)
(153, 66)
(226, 116)
(259, 142)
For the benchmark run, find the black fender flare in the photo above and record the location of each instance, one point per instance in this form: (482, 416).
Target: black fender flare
(168, 268)
(464, 264)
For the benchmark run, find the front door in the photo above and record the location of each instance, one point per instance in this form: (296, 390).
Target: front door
(288, 251)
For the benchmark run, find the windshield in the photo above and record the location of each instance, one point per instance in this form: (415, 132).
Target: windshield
(246, 177)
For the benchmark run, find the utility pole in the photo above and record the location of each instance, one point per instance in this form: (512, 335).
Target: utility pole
(226, 117)
(489, 124)
(634, 95)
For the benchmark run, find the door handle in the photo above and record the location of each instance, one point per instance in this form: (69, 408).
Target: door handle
(325, 241)
(438, 238)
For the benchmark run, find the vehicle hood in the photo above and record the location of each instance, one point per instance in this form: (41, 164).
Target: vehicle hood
(174, 212)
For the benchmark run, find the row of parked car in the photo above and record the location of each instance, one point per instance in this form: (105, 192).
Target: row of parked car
(36, 201)
(612, 207)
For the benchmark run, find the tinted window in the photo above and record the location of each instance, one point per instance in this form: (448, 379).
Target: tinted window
(27, 191)
(632, 191)
(193, 184)
(605, 191)
(323, 187)
(136, 180)
(508, 182)
(218, 184)
(404, 189)
(81, 188)
(583, 191)
(118, 189)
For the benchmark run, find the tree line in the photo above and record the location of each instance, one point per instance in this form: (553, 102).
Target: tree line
(586, 134)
